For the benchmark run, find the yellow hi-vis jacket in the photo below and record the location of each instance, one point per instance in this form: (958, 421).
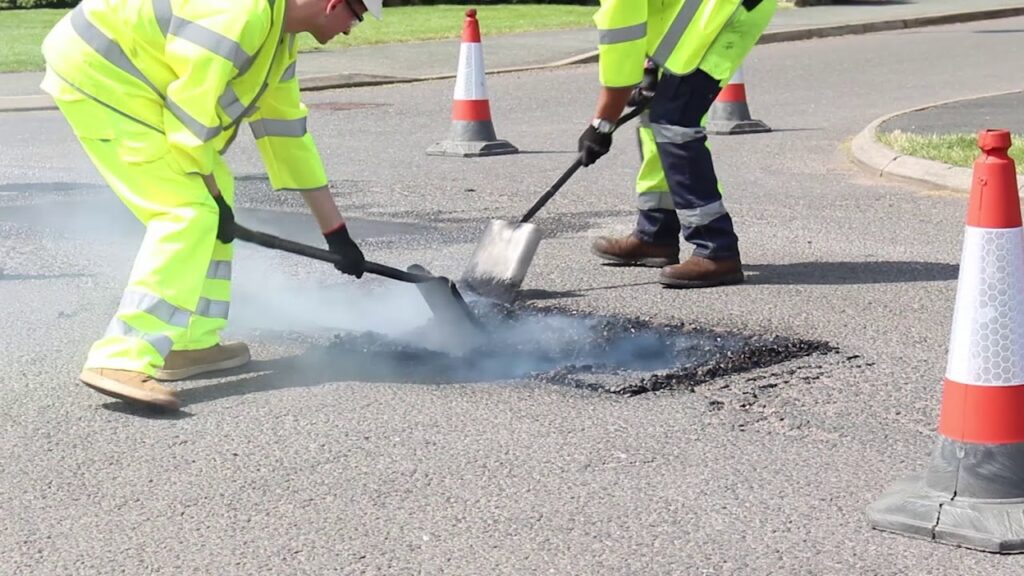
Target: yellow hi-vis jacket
(675, 34)
(193, 71)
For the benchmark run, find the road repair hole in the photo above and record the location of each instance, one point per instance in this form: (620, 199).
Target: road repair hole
(599, 353)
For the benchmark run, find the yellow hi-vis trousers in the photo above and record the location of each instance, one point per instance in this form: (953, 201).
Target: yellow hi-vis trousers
(721, 61)
(178, 293)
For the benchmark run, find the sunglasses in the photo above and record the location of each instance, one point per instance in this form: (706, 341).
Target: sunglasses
(352, 9)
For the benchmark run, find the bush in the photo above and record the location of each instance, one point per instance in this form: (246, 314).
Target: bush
(11, 4)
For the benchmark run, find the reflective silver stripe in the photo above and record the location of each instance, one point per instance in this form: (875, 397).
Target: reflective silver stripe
(213, 308)
(289, 72)
(200, 35)
(624, 34)
(106, 47)
(164, 14)
(201, 131)
(160, 342)
(219, 270)
(230, 104)
(703, 215)
(213, 41)
(654, 201)
(133, 301)
(675, 32)
(268, 127)
(675, 134)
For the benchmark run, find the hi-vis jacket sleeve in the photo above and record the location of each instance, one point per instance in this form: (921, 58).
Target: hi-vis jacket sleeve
(206, 51)
(287, 148)
(622, 41)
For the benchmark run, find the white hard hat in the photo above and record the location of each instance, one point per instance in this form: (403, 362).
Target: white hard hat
(374, 7)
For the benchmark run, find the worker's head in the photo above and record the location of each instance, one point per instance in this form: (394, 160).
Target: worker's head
(325, 19)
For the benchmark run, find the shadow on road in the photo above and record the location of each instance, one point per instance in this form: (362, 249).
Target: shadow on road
(535, 294)
(840, 273)
(315, 367)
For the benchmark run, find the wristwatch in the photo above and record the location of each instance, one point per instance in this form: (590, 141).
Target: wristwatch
(603, 126)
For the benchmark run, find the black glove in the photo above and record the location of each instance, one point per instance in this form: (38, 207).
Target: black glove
(593, 145)
(225, 222)
(643, 93)
(352, 259)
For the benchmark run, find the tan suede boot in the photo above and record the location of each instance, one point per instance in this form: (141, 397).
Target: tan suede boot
(181, 364)
(631, 251)
(699, 272)
(134, 387)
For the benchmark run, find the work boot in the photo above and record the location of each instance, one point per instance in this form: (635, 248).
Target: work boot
(631, 251)
(699, 272)
(134, 387)
(181, 364)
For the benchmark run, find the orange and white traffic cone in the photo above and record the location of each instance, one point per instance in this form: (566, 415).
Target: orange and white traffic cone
(729, 113)
(472, 132)
(972, 493)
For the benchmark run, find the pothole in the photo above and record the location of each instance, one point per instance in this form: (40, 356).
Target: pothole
(593, 352)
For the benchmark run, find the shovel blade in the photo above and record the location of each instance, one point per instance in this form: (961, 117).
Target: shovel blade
(456, 323)
(501, 259)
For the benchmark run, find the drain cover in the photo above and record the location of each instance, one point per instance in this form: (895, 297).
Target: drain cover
(601, 353)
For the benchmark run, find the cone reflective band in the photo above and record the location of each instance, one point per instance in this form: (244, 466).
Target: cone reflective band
(972, 493)
(472, 132)
(729, 113)
(985, 368)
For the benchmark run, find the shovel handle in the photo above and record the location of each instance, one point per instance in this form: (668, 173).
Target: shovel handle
(285, 245)
(576, 165)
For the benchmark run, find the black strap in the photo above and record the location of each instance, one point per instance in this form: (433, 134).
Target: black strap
(750, 4)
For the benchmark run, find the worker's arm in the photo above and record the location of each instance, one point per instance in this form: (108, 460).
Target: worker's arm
(293, 161)
(284, 142)
(622, 38)
(611, 102)
(203, 70)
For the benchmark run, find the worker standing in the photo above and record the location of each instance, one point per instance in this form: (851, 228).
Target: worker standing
(695, 46)
(155, 91)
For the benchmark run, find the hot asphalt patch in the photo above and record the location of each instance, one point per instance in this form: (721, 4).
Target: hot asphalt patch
(566, 348)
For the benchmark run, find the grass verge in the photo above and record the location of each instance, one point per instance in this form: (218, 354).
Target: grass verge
(23, 30)
(953, 149)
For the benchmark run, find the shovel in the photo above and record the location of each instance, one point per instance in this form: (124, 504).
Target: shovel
(505, 250)
(461, 326)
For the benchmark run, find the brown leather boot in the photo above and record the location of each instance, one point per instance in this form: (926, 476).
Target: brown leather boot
(181, 364)
(699, 272)
(134, 387)
(631, 251)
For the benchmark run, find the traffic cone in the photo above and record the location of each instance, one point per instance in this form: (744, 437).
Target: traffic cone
(972, 493)
(729, 113)
(472, 133)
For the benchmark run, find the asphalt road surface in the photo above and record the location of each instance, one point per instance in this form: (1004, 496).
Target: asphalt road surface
(291, 469)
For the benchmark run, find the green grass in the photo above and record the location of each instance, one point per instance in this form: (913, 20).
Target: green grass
(23, 30)
(954, 149)
(415, 23)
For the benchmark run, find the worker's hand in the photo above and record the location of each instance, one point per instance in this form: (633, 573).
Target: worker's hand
(593, 145)
(352, 259)
(226, 221)
(643, 93)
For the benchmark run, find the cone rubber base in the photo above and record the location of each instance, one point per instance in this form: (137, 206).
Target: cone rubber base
(911, 509)
(971, 495)
(725, 127)
(471, 149)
